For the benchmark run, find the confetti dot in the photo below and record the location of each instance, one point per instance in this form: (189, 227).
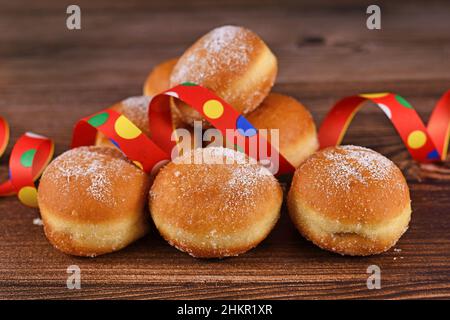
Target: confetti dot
(126, 129)
(374, 95)
(114, 142)
(244, 127)
(433, 155)
(98, 119)
(28, 196)
(213, 109)
(188, 84)
(26, 160)
(403, 102)
(416, 139)
(386, 110)
(138, 164)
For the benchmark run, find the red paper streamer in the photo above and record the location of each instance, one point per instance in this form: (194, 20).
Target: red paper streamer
(425, 144)
(29, 157)
(32, 153)
(150, 153)
(218, 112)
(123, 134)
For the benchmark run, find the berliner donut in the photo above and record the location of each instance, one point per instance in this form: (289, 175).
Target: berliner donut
(297, 131)
(159, 78)
(231, 61)
(222, 207)
(350, 200)
(92, 201)
(136, 110)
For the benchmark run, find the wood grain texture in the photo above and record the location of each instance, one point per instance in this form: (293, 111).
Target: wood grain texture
(50, 77)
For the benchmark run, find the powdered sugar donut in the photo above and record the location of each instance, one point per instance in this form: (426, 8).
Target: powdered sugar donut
(350, 200)
(92, 201)
(221, 207)
(231, 61)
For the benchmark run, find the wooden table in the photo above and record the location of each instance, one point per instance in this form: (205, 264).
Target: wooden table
(50, 77)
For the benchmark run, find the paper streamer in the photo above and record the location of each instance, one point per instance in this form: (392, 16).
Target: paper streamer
(32, 153)
(425, 144)
(219, 114)
(29, 157)
(123, 134)
(148, 153)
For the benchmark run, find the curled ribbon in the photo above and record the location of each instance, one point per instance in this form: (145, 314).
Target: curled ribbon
(425, 144)
(29, 157)
(32, 153)
(148, 153)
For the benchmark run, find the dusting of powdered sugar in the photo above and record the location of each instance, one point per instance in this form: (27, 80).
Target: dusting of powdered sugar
(353, 163)
(222, 38)
(38, 222)
(244, 178)
(239, 180)
(138, 103)
(136, 109)
(213, 155)
(225, 48)
(222, 59)
(92, 164)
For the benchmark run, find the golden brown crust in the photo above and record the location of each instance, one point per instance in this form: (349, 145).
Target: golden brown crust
(297, 131)
(88, 240)
(159, 78)
(92, 201)
(350, 200)
(214, 210)
(231, 61)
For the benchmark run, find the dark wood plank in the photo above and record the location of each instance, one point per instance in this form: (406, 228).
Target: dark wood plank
(51, 77)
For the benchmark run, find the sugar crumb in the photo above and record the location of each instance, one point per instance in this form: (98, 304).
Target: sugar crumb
(38, 222)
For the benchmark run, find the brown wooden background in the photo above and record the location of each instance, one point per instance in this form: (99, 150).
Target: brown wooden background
(50, 77)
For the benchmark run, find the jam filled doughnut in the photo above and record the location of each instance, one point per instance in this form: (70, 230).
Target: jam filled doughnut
(136, 110)
(92, 201)
(222, 207)
(350, 200)
(297, 131)
(231, 61)
(159, 78)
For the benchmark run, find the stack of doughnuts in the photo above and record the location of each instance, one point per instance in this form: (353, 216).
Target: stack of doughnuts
(237, 65)
(216, 202)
